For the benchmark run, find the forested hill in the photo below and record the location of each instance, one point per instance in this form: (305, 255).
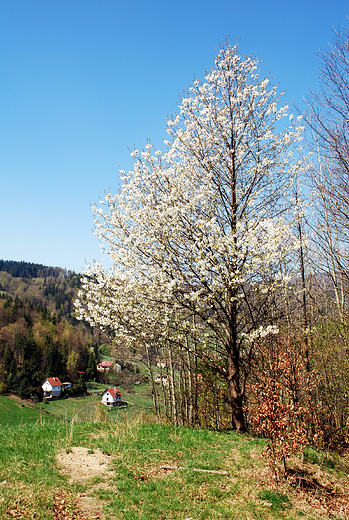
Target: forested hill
(51, 287)
(39, 334)
(29, 270)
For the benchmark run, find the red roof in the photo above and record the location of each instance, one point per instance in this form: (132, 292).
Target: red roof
(54, 381)
(115, 392)
(105, 364)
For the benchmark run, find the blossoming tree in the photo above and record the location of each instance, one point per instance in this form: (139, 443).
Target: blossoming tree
(198, 230)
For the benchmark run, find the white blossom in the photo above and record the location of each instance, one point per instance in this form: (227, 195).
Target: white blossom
(199, 230)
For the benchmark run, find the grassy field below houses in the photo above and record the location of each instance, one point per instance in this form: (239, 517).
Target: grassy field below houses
(129, 468)
(14, 411)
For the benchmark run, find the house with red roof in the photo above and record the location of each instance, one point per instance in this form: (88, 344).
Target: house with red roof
(111, 397)
(105, 366)
(52, 387)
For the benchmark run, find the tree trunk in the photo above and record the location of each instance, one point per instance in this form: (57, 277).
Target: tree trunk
(164, 391)
(235, 396)
(153, 389)
(234, 391)
(190, 391)
(172, 390)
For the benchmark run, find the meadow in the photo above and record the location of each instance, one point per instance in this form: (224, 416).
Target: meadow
(15, 411)
(155, 471)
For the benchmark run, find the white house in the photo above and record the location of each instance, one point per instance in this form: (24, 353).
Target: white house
(111, 397)
(105, 366)
(52, 387)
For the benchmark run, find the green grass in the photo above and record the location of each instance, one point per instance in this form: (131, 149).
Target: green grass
(140, 397)
(136, 485)
(324, 459)
(28, 470)
(73, 408)
(93, 387)
(278, 500)
(14, 414)
(107, 358)
(84, 408)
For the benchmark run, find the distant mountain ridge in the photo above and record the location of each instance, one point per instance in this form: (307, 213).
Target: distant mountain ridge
(30, 270)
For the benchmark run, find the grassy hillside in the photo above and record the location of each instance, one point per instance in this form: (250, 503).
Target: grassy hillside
(14, 413)
(80, 409)
(75, 459)
(136, 484)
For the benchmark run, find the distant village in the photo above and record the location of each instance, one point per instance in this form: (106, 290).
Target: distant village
(53, 386)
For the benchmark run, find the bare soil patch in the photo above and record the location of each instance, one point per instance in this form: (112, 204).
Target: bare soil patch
(81, 465)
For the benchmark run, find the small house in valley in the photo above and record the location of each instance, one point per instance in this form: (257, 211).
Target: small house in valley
(52, 387)
(161, 364)
(111, 397)
(104, 366)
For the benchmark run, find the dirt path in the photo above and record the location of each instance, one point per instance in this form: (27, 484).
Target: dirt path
(81, 465)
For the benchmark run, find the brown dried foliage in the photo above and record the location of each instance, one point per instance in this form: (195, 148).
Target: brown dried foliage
(280, 397)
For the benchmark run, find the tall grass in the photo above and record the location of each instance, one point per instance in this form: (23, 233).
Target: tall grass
(27, 467)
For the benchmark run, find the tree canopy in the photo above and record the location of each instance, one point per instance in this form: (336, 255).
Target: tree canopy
(198, 231)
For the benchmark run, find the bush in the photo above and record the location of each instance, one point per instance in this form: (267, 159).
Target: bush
(77, 389)
(25, 389)
(38, 394)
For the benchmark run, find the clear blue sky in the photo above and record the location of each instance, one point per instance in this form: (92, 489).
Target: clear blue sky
(81, 81)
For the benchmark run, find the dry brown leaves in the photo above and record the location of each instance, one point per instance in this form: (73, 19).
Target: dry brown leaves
(67, 508)
(22, 512)
(310, 489)
(64, 508)
(320, 492)
(23, 507)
